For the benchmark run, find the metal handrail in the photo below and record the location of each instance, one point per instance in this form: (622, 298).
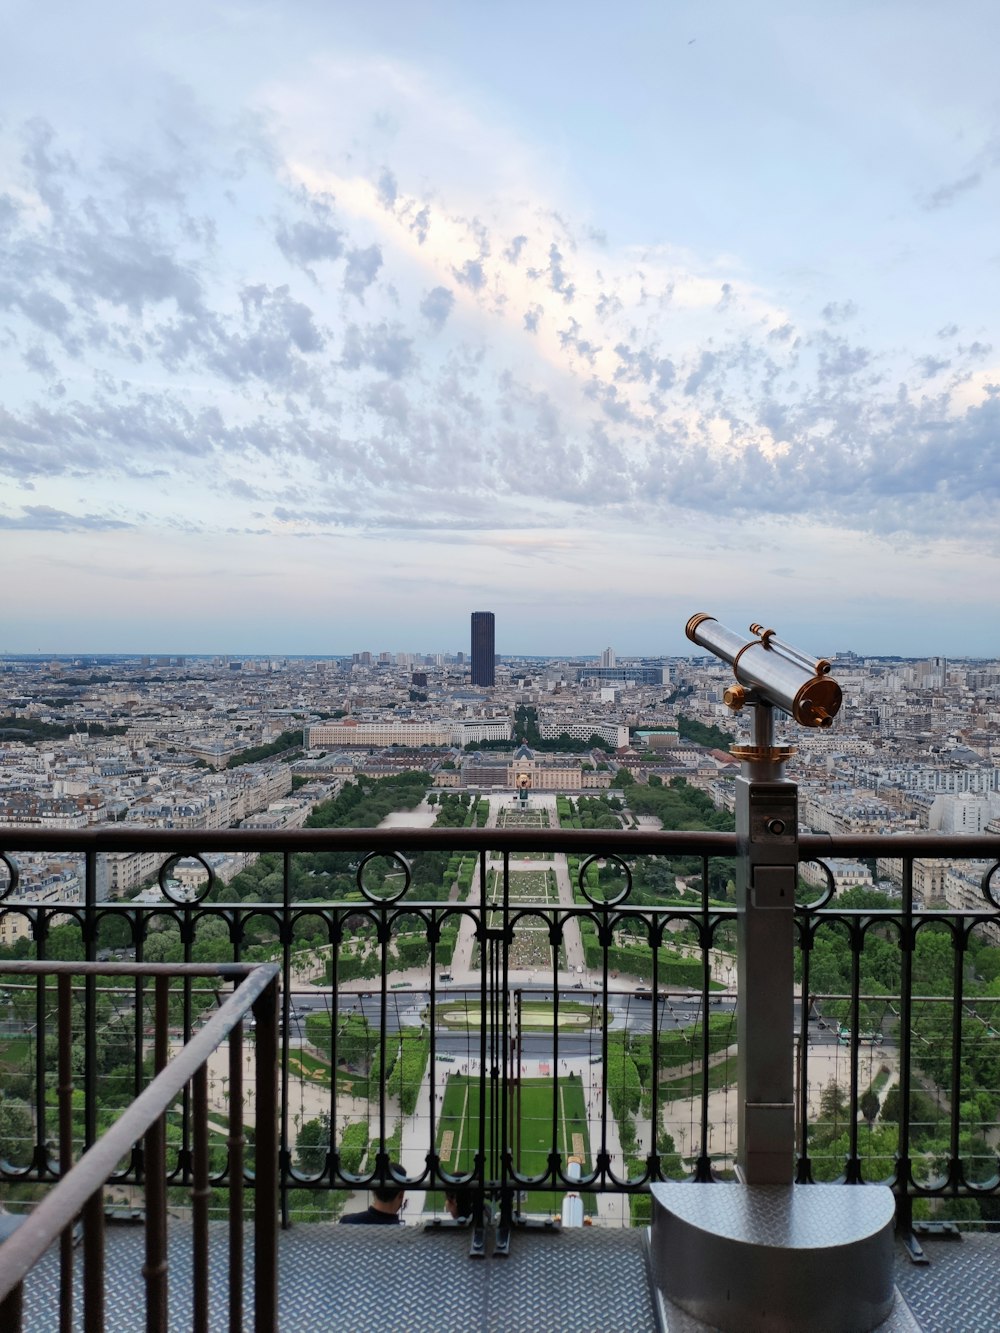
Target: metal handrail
(67, 1199)
(665, 842)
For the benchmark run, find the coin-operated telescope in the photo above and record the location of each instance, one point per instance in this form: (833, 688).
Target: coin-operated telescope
(769, 674)
(777, 673)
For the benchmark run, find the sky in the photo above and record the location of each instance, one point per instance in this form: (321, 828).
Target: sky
(325, 323)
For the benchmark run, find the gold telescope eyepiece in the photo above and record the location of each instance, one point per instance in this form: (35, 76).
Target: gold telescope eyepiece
(777, 673)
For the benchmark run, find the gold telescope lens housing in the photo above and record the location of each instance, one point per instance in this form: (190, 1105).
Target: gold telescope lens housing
(818, 702)
(777, 673)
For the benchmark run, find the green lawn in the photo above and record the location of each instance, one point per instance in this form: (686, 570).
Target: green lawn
(531, 1130)
(305, 1065)
(15, 1053)
(689, 1085)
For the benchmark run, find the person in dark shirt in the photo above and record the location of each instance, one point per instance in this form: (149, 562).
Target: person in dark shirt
(387, 1200)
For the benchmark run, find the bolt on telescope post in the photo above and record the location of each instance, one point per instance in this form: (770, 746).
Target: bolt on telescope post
(768, 674)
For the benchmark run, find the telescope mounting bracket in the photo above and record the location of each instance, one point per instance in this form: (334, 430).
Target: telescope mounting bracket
(762, 760)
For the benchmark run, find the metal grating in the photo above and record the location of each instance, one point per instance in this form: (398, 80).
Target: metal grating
(404, 1280)
(409, 1280)
(957, 1292)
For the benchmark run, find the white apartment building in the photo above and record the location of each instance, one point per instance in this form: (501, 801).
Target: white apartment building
(612, 733)
(349, 731)
(963, 814)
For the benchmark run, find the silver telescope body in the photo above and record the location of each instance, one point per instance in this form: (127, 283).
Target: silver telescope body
(777, 673)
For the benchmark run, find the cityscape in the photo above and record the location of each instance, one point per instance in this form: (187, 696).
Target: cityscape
(407, 741)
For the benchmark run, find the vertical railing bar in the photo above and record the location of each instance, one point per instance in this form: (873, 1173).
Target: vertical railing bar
(503, 964)
(284, 1159)
(706, 976)
(182, 1163)
(155, 1267)
(803, 1169)
(853, 1166)
(556, 1163)
(654, 1055)
(41, 932)
(93, 1261)
(266, 1165)
(65, 1098)
(495, 1161)
(138, 1026)
(200, 1194)
(515, 1140)
(497, 954)
(604, 935)
(383, 936)
(334, 928)
(703, 1165)
(12, 1310)
(958, 944)
(432, 932)
(907, 946)
(90, 1000)
(237, 1164)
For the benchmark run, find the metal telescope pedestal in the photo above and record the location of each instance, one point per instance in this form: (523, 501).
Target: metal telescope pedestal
(764, 1253)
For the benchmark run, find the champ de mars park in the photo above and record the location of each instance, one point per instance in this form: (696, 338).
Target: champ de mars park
(538, 972)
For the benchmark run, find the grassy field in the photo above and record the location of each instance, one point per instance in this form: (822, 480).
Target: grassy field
(304, 1064)
(689, 1085)
(15, 1053)
(530, 1133)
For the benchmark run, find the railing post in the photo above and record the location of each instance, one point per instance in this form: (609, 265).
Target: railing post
(766, 876)
(155, 1165)
(65, 1095)
(237, 1145)
(265, 1295)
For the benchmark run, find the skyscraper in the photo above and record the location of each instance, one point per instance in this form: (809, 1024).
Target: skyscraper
(483, 647)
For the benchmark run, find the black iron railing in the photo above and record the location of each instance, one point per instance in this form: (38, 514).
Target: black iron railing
(557, 996)
(139, 1138)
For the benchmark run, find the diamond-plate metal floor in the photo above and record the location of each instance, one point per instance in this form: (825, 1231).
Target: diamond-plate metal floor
(957, 1291)
(400, 1280)
(407, 1280)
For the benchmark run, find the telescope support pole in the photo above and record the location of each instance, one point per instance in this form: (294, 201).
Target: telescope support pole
(766, 875)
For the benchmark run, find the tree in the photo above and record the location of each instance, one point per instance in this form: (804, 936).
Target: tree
(622, 779)
(17, 1131)
(313, 1144)
(869, 1105)
(833, 1106)
(712, 737)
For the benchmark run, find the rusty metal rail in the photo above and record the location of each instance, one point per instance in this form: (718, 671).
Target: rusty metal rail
(79, 1191)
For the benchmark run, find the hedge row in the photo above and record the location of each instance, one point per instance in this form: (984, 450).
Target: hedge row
(406, 1063)
(635, 961)
(353, 1147)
